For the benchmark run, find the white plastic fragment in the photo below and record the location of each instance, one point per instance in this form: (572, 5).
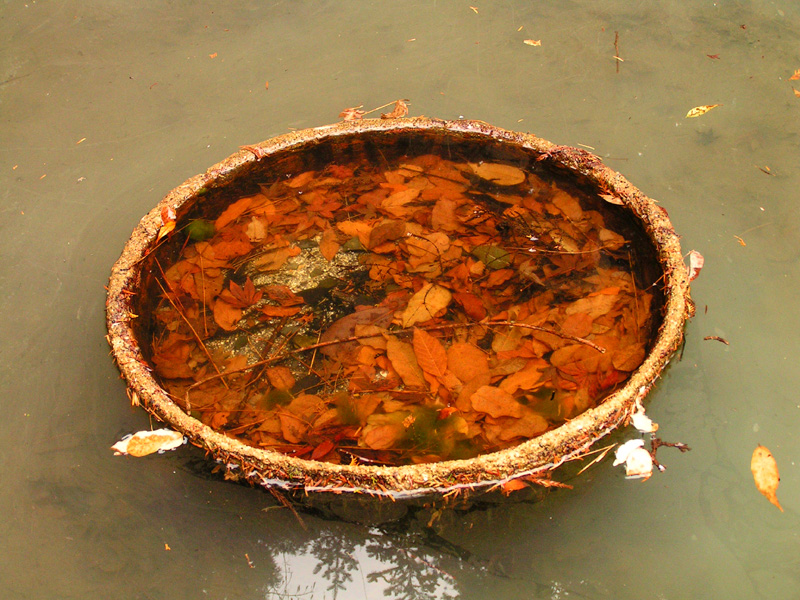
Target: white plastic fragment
(640, 420)
(638, 462)
(143, 443)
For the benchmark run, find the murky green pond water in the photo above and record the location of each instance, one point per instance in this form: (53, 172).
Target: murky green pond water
(106, 106)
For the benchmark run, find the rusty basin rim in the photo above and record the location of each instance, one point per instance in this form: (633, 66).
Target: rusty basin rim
(534, 458)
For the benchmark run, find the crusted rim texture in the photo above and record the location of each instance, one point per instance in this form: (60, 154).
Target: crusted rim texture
(535, 458)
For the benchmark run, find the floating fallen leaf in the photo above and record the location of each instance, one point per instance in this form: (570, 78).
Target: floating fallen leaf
(713, 56)
(638, 462)
(214, 55)
(696, 262)
(700, 110)
(143, 443)
(765, 474)
(266, 85)
(532, 42)
(740, 240)
(796, 92)
(796, 75)
(716, 338)
(612, 199)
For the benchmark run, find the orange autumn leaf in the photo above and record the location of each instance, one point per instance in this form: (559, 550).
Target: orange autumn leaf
(233, 212)
(431, 355)
(427, 303)
(329, 244)
(281, 378)
(467, 361)
(279, 311)
(226, 315)
(795, 76)
(512, 486)
(765, 474)
(359, 229)
(404, 361)
(495, 402)
(471, 304)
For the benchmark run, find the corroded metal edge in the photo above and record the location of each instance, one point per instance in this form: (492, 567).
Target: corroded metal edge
(536, 457)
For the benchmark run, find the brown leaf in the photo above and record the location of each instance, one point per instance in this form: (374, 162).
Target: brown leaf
(329, 244)
(281, 378)
(427, 303)
(404, 361)
(387, 231)
(431, 355)
(400, 110)
(345, 327)
(765, 474)
(525, 379)
(495, 402)
(226, 315)
(472, 305)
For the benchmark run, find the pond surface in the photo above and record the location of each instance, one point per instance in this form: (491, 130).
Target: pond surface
(107, 106)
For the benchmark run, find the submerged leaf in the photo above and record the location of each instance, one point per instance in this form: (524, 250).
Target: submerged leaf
(428, 302)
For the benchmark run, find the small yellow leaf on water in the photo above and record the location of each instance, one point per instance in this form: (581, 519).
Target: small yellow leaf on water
(474, 9)
(143, 443)
(765, 474)
(700, 110)
(533, 42)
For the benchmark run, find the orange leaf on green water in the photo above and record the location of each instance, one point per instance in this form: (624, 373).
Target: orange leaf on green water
(765, 474)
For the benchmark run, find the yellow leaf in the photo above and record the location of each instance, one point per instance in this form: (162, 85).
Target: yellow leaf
(765, 474)
(533, 42)
(143, 443)
(430, 300)
(796, 75)
(700, 110)
(796, 92)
